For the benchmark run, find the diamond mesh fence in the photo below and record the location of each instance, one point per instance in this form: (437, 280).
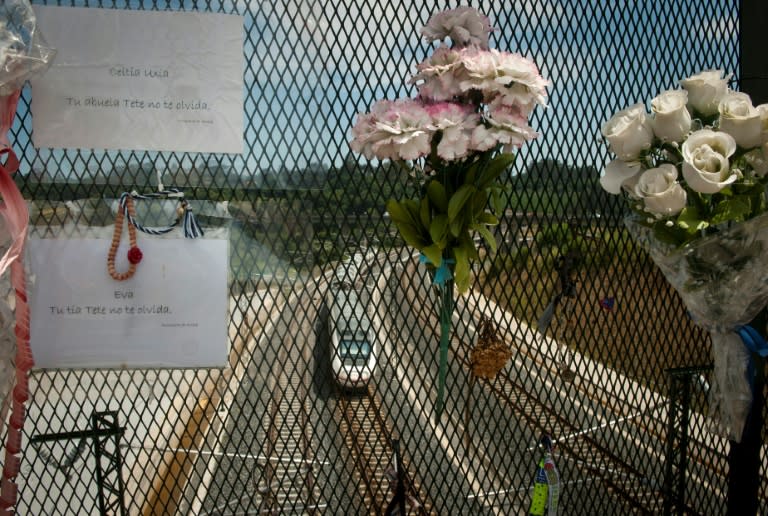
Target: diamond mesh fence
(279, 430)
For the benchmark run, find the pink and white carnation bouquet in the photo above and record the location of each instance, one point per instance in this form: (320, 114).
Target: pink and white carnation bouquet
(457, 134)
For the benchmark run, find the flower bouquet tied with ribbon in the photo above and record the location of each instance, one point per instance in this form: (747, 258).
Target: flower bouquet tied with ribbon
(456, 138)
(694, 172)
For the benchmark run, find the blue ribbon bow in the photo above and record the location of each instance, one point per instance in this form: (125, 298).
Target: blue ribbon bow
(442, 273)
(753, 340)
(756, 344)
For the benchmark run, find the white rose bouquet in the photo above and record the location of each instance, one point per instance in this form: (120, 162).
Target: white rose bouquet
(696, 163)
(694, 172)
(456, 138)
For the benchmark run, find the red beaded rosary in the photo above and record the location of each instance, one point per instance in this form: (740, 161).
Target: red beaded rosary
(134, 253)
(126, 212)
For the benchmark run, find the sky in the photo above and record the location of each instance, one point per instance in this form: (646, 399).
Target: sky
(311, 66)
(599, 59)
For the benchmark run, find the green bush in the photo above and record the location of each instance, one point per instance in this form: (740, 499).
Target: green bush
(510, 262)
(554, 235)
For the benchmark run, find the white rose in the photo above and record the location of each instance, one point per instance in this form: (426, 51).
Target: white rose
(763, 110)
(619, 174)
(628, 132)
(706, 167)
(740, 119)
(671, 119)
(705, 90)
(660, 191)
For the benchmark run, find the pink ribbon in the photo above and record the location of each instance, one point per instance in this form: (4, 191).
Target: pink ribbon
(16, 214)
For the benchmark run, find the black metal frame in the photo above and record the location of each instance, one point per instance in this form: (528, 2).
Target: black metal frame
(109, 477)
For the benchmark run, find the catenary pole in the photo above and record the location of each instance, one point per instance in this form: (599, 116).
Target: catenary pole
(744, 457)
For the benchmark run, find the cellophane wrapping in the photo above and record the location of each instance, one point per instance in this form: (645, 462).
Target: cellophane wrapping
(23, 50)
(722, 279)
(23, 55)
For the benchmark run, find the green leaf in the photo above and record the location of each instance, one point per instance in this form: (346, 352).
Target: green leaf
(697, 203)
(471, 173)
(411, 235)
(458, 200)
(434, 254)
(489, 219)
(726, 191)
(408, 226)
(479, 202)
(494, 169)
(467, 242)
(496, 203)
(735, 209)
(456, 226)
(438, 230)
(398, 213)
(486, 234)
(690, 221)
(413, 207)
(670, 235)
(461, 272)
(748, 188)
(425, 213)
(437, 195)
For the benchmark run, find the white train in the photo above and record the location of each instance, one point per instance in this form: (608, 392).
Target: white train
(352, 339)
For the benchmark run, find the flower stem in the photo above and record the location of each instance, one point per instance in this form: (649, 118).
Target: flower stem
(446, 311)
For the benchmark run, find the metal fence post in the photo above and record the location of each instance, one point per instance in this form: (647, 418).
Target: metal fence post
(744, 456)
(680, 396)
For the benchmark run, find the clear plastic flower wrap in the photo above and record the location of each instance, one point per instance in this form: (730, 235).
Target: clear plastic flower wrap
(23, 51)
(23, 55)
(723, 280)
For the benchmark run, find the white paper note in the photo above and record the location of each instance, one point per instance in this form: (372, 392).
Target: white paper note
(171, 313)
(144, 80)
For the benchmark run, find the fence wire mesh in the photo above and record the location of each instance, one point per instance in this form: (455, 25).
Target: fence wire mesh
(275, 432)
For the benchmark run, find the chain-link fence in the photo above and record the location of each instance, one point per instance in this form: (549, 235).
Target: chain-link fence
(276, 431)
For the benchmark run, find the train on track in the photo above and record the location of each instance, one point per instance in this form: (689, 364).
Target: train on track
(352, 338)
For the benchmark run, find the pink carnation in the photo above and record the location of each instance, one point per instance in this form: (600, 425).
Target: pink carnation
(394, 130)
(471, 98)
(478, 71)
(464, 25)
(521, 79)
(456, 122)
(506, 126)
(436, 78)
(502, 74)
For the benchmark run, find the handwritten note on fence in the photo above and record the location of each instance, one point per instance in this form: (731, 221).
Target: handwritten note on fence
(171, 313)
(143, 80)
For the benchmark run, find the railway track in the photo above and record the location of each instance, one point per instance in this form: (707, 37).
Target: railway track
(286, 481)
(592, 450)
(368, 441)
(619, 477)
(588, 454)
(640, 427)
